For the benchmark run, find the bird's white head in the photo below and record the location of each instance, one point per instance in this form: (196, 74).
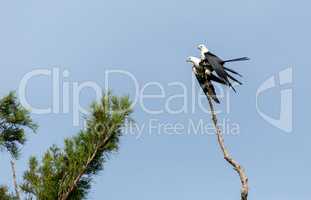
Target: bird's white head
(202, 48)
(194, 60)
(189, 59)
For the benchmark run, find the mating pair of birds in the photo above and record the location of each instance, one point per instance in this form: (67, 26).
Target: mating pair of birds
(204, 67)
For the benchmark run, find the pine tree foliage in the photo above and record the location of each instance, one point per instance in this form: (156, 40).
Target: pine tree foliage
(5, 195)
(67, 173)
(13, 121)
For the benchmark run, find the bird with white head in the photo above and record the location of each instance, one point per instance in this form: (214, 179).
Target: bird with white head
(217, 64)
(205, 77)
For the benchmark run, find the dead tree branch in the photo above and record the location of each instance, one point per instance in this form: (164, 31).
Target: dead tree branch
(14, 179)
(237, 167)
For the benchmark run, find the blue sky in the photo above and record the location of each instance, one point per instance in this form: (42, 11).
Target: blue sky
(151, 40)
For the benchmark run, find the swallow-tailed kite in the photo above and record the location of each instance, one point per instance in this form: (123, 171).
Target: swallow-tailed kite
(217, 64)
(204, 76)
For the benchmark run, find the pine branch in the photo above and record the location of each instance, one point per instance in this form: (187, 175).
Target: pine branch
(103, 131)
(14, 120)
(5, 194)
(66, 174)
(73, 185)
(237, 167)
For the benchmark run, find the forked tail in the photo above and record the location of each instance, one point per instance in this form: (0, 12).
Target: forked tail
(237, 59)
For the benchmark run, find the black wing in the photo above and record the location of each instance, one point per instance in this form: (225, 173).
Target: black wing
(216, 57)
(207, 86)
(232, 71)
(234, 79)
(213, 93)
(215, 62)
(216, 79)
